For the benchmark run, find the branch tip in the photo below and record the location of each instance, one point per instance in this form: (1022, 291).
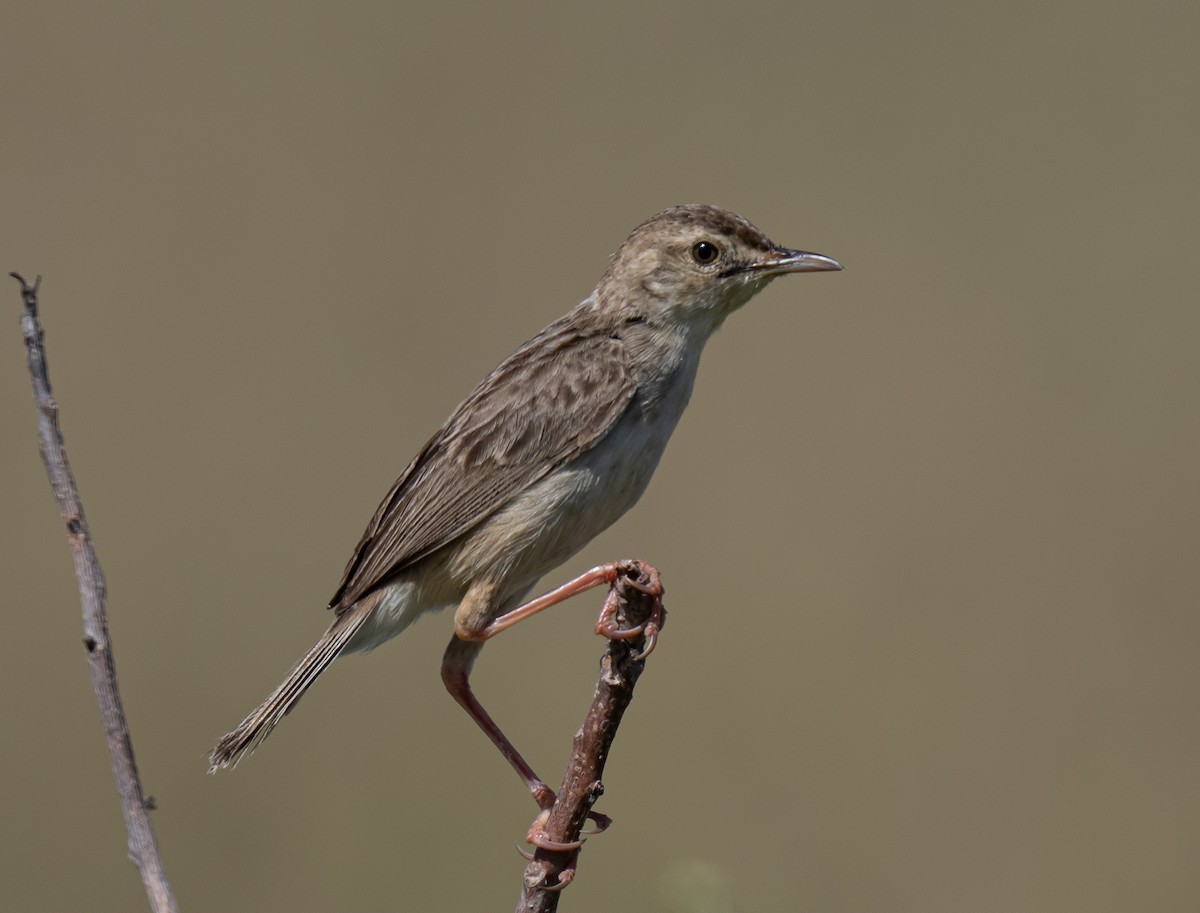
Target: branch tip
(25, 286)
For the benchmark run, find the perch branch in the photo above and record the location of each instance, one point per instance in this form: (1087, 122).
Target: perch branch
(143, 849)
(549, 871)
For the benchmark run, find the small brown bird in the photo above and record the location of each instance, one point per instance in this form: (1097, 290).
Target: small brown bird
(555, 444)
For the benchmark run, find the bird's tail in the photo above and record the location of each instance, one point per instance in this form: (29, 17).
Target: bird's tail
(258, 725)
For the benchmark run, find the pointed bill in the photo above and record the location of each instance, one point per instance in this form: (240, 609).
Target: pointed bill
(784, 260)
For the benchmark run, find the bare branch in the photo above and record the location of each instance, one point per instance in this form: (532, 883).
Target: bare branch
(143, 849)
(549, 871)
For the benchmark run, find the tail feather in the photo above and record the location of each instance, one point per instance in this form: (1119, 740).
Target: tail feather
(251, 731)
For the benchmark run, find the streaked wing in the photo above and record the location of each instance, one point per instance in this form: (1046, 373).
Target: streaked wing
(545, 405)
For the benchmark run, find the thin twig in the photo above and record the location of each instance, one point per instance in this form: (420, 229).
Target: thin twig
(549, 871)
(143, 849)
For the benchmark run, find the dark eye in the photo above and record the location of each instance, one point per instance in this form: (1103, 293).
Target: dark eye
(705, 252)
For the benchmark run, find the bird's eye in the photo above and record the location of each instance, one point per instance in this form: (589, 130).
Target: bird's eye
(705, 252)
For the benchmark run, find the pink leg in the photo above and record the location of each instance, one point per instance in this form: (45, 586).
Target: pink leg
(460, 655)
(456, 669)
(597, 576)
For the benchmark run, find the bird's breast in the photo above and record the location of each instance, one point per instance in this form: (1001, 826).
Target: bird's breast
(557, 516)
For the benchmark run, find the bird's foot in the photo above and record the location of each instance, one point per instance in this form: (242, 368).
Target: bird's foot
(565, 876)
(537, 836)
(545, 797)
(606, 624)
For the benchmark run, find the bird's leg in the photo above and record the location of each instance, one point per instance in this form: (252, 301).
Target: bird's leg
(466, 644)
(456, 670)
(605, 625)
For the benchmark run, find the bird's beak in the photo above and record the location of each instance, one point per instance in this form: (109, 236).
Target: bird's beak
(783, 260)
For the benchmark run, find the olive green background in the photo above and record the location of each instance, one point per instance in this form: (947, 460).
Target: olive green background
(929, 530)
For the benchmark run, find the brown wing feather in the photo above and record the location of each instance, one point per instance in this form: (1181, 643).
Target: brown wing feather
(545, 405)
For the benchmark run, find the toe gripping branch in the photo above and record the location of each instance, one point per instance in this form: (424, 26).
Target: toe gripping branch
(632, 617)
(617, 622)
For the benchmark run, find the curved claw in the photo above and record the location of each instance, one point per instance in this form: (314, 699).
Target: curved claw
(554, 846)
(565, 877)
(610, 630)
(603, 823)
(653, 588)
(536, 836)
(651, 641)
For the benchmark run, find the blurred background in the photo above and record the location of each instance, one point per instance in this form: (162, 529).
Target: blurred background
(929, 529)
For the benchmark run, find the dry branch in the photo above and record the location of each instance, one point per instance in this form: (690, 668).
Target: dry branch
(549, 871)
(143, 849)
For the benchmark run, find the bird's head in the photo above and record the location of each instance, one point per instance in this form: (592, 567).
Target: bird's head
(694, 265)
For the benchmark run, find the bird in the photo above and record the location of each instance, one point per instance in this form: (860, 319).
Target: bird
(551, 448)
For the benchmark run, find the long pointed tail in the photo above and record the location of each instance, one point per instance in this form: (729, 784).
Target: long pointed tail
(258, 725)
